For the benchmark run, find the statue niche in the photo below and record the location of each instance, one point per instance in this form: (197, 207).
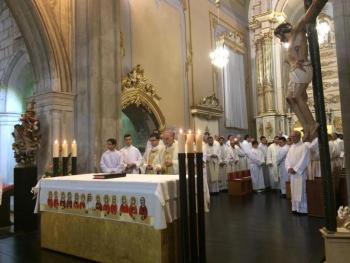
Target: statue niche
(141, 112)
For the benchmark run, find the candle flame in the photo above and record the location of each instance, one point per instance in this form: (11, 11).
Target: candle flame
(56, 141)
(199, 131)
(64, 142)
(189, 131)
(181, 131)
(74, 142)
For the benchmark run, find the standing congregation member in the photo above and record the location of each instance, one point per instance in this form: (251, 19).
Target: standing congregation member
(256, 160)
(152, 157)
(246, 145)
(211, 157)
(132, 156)
(297, 160)
(271, 161)
(231, 157)
(242, 165)
(281, 158)
(222, 164)
(263, 147)
(169, 158)
(314, 168)
(112, 161)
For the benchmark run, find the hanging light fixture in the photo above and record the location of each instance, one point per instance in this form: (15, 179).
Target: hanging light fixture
(220, 55)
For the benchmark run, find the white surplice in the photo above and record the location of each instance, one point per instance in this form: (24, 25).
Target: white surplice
(112, 161)
(271, 161)
(263, 148)
(132, 155)
(256, 160)
(211, 157)
(334, 152)
(341, 147)
(223, 167)
(298, 158)
(281, 158)
(152, 157)
(231, 159)
(314, 168)
(170, 154)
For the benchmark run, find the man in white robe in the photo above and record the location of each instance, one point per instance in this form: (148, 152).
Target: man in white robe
(281, 158)
(169, 158)
(256, 160)
(246, 145)
(132, 156)
(231, 157)
(112, 161)
(211, 157)
(222, 165)
(297, 160)
(334, 152)
(271, 161)
(263, 148)
(314, 168)
(242, 165)
(340, 142)
(152, 158)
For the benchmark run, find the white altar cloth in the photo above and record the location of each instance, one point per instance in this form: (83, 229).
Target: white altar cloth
(138, 198)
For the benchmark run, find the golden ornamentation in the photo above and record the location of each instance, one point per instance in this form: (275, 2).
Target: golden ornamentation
(209, 107)
(297, 124)
(268, 129)
(137, 90)
(338, 124)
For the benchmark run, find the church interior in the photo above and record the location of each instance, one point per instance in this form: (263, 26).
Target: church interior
(85, 71)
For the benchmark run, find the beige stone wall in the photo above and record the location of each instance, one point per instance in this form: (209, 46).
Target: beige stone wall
(157, 46)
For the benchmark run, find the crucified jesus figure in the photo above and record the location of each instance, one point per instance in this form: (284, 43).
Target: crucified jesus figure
(300, 75)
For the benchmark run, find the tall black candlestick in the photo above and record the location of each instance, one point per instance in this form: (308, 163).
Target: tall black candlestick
(183, 208)
(65, 165)
(201, 212)
(74, 165)
(192, 206)
(55, 166)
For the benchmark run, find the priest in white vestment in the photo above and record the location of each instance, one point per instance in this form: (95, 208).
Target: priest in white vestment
(169, 158)
(281, 158)
(112, 161)
(149, 145)
(211, 157)
(242, 165)
(132, 156)
(231, 157)
(152, 158)
(271, 161)
(340, 142)
(297, 161)
(314, 168)
(256, 160)
(263, 148)
(222, 165)
(334, 152)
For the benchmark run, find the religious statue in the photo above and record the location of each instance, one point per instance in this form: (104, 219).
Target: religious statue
(63, 200)
(106, 207)
(344, 217)
(76, 201)
(82, 202)
(49, 200)
(114, 206)
(55, 200)
(300, 75)
(98, 205)
(26, 137)
(124, 208)
(69, 200)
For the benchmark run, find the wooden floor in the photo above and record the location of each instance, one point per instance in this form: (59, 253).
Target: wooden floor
(252, 229)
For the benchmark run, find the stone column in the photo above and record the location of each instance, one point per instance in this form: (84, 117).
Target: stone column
(342, 24)
(97, 74)
(55, 111)
(259, 77)
(268, 81)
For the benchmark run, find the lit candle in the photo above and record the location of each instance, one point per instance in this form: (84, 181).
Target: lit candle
(199, 142)
(64, 149)
(181, 141)
(189, 142)
(56, 149)
(74, 148)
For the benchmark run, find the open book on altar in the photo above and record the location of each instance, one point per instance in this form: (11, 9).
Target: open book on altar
(108, 175)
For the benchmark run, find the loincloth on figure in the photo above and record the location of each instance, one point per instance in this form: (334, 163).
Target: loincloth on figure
(300, 75)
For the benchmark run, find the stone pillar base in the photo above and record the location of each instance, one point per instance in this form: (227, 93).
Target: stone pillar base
(336, 245)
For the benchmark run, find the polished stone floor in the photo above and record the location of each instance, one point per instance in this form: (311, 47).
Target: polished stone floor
(256, 228)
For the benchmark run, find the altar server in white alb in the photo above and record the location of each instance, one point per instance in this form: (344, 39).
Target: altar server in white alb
(271, 161)
(223, 164)
(112, 161)
(152, 157)
(132, 156)
(231, 157)
(281, 158)
(211, 157)
(297, 161)
(169, 157)
(256, 161)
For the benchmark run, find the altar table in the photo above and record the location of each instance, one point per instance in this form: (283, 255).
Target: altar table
(128, 219)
